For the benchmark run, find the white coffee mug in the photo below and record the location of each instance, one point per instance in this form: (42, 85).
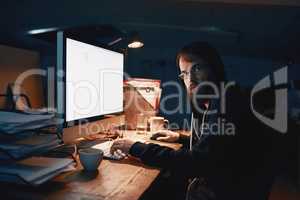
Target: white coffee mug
(158, 123)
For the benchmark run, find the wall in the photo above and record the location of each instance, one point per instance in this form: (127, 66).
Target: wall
(13, 62)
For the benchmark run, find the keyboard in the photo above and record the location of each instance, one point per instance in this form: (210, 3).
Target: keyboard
(83, 144)
(105, 147)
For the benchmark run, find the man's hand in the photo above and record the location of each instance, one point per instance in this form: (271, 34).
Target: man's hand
(166, 136)
(123, 145)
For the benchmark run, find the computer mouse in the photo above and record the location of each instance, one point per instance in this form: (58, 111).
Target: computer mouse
(157, 135)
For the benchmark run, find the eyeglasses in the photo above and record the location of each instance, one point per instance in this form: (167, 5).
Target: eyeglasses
(184, 74)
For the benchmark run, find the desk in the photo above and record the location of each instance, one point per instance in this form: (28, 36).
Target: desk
(115, 180)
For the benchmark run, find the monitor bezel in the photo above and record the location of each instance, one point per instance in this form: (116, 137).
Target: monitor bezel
(61, 65)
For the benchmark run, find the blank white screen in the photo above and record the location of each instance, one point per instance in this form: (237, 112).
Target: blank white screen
(94, 81)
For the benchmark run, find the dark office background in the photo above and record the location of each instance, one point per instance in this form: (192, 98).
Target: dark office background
(254, 40)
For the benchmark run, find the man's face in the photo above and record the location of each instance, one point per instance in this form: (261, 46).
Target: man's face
(185, 68)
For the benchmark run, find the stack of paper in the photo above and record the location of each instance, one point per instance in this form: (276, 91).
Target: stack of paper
(34, 170)
(15, 122)
(22, 148)
(19, 139)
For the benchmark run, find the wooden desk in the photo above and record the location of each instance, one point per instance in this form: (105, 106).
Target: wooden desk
(120, 180)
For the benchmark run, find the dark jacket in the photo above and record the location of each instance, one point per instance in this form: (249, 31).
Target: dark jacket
(233, 165)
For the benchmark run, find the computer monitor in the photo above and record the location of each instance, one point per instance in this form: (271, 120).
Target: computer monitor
(89, 80)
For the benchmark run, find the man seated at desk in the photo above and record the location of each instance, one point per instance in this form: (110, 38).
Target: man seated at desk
(220, 164)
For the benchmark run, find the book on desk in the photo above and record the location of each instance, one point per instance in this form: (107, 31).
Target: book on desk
(33, 170)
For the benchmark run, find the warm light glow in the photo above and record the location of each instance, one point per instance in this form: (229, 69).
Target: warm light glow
(42, 30)
(135, 44)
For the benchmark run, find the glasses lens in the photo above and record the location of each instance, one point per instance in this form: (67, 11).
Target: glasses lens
(181, 76)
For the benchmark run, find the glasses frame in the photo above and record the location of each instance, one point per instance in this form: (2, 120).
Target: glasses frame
(184, 74)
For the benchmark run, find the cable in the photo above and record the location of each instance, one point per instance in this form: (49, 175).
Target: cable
(195, 128)
(191, 132)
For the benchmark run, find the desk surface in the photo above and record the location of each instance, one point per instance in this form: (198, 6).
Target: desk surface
(121, 180)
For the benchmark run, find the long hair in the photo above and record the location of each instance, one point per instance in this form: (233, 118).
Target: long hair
(202, 52)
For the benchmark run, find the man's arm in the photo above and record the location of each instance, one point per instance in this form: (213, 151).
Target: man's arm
(199, 161)
(171, 136)
(184, 139)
